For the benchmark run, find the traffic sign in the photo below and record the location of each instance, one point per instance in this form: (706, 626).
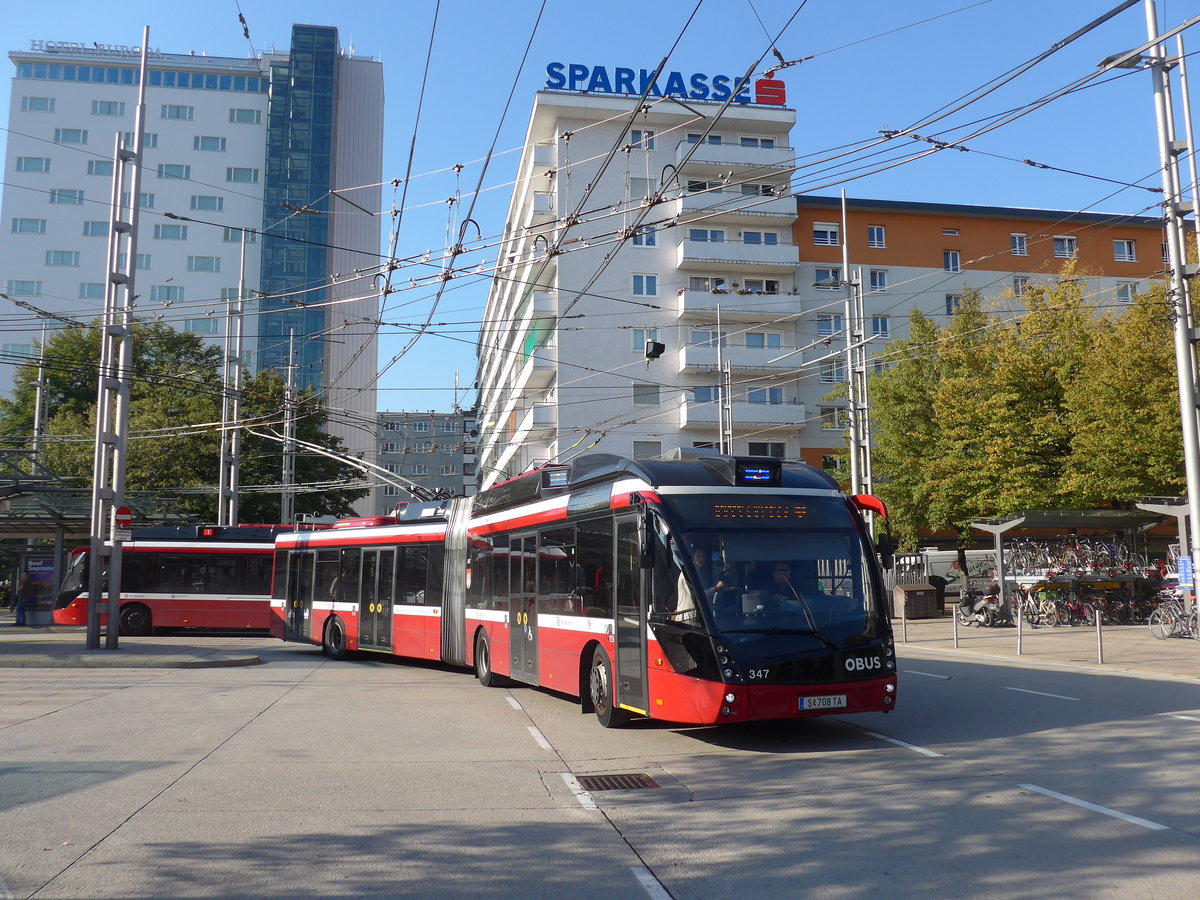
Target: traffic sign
(122, 534)
(1185, 571)
(122, 517)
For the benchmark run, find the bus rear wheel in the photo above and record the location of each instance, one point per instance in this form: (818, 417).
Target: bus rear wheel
(483, 663)
(334, 645)
(600, 688)
(135, 619)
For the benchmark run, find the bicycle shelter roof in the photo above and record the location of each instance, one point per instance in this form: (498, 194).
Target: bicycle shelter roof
(1070, 520)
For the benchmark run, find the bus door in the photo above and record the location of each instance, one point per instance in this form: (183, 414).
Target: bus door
(630, 675)
(298, 603)
(522, 586)
(375, 600)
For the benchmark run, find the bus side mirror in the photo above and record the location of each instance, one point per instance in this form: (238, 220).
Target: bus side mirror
(886, 545)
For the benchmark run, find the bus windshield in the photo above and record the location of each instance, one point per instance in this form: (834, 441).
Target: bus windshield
(761, 579)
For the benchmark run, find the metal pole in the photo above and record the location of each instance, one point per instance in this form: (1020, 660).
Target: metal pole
(1185, 359)
(1099, 637)
(721, 444)
(286, 498)
(39, 408)
(855, 476)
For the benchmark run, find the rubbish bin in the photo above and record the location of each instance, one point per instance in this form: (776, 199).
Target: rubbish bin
(916, 601)
(38, 611)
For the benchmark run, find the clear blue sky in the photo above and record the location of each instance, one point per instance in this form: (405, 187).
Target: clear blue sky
(868, 72)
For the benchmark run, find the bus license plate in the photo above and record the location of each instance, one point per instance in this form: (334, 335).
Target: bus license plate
(829, 701)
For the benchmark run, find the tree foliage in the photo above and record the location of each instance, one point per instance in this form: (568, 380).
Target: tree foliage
(1046, 402)
(174, 425)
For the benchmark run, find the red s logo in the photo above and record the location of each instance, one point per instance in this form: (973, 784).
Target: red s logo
(770, 91)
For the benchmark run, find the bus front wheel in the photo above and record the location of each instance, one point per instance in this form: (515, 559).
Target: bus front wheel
(335, 640)
(135, 619)
(600, 688)
(483, 663)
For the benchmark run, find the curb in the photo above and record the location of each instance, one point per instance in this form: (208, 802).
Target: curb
(119, 662)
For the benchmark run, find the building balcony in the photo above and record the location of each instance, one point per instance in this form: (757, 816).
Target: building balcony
(746, 359)
(539, 422)
(540, 368)
(545, 156)
(540, 209)
(545, 305)
(736, 307)
(757, 416)
(729, 207)
(736, 256)
(743, 161)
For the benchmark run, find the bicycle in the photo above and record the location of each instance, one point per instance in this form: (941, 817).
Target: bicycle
(1170, 620)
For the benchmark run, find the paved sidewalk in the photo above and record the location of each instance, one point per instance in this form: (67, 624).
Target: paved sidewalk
(1126, 648)
(65, 647)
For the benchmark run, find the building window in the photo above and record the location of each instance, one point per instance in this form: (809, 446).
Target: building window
(1019, 244)
(204, 142)
(149, 140)
(832, 417)
(951, 261)
(750, 189)
(645, 285)
(760, 237)
(706, 283)
(699, 187)
(709, 235)
(763, 340)
(238, 175)
(145, 201)
(1020, 282)
(33, 164)
(423, 447)
(950, 232)
(876, 237)
(62, 257)
(174, 170)
(695, 137)
(1126, 290)
(647, 449)
(420, 469)
(70, 135)
(389, 447)
(37, 104)
(100, 167)
(879, 280)
(642, 139)
(641, 336)
(763, 143)
(141, 261)
(702, 338)
(108, 108)
(827, 234)
(66, 196)
(953, 301)
(245, 116)
(833, 371)
(95, 228)
(173, 111)
(450, 427)
(421, 426)
(1065, 247)
(25, 288)
(234, 235)
(761, 285)
(1125, 251)
(645, 237)
(828, 278)
(776, 449)
(880, 326)
(166, 293)
(448, 469)
(769, 396)
(28, 226)
(170, 232)
(645, 394)
(704, 394)
(208, 203)
(200, 326)
(91, 290)
(204, 264)
(829, 324)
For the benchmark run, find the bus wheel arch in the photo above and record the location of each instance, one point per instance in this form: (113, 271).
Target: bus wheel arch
(483, 661)
(334, 644)
(602, 691)
(586, 658)
(136, 620)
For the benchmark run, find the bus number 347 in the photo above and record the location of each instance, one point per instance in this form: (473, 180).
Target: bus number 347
(757, 674)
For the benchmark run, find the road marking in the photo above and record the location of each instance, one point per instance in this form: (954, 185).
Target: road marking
(512, 701)
(926, 674)
(1066, 798)
(650, 883)
(584, 798)
(540, 738)
(906, 746)
(1041, 693)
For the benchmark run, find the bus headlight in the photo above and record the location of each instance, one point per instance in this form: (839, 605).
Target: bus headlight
(891, 688)
(731, 697)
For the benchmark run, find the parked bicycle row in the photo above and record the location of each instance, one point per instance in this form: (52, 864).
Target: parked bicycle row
(1048, 605)
(1078, 558)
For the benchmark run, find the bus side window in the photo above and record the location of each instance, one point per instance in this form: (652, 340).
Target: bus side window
(433, 588)
(594, 539)
(348, 577)
(410, 576)
(327, 574)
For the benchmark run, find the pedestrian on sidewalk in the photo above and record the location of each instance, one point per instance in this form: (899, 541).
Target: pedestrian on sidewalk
(24, 595)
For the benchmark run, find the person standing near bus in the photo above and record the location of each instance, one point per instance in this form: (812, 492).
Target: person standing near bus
(24, 595)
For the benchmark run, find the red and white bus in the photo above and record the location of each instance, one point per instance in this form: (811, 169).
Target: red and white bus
(197, 576)
(720, 589)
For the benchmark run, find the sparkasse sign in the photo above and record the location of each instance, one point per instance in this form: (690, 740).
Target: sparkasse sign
(597, 80)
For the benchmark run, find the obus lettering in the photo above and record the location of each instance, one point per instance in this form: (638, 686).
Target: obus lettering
(863, 663)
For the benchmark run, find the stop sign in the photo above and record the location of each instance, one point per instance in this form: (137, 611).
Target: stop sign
(122, 517)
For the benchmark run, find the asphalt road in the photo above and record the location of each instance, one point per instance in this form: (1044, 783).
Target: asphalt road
(303, 778)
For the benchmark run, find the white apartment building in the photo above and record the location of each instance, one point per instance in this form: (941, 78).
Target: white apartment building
(711, 273)
(230, 144)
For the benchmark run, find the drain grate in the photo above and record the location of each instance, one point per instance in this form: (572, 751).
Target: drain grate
(632, 782)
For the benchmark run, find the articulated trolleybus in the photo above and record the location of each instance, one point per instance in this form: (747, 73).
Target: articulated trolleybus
(187, 576)
(713, 590)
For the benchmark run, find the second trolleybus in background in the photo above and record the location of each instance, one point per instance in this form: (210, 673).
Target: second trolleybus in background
(719, 589)
(195, 576)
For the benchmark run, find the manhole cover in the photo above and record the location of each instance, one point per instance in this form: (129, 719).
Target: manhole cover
(616, 782)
